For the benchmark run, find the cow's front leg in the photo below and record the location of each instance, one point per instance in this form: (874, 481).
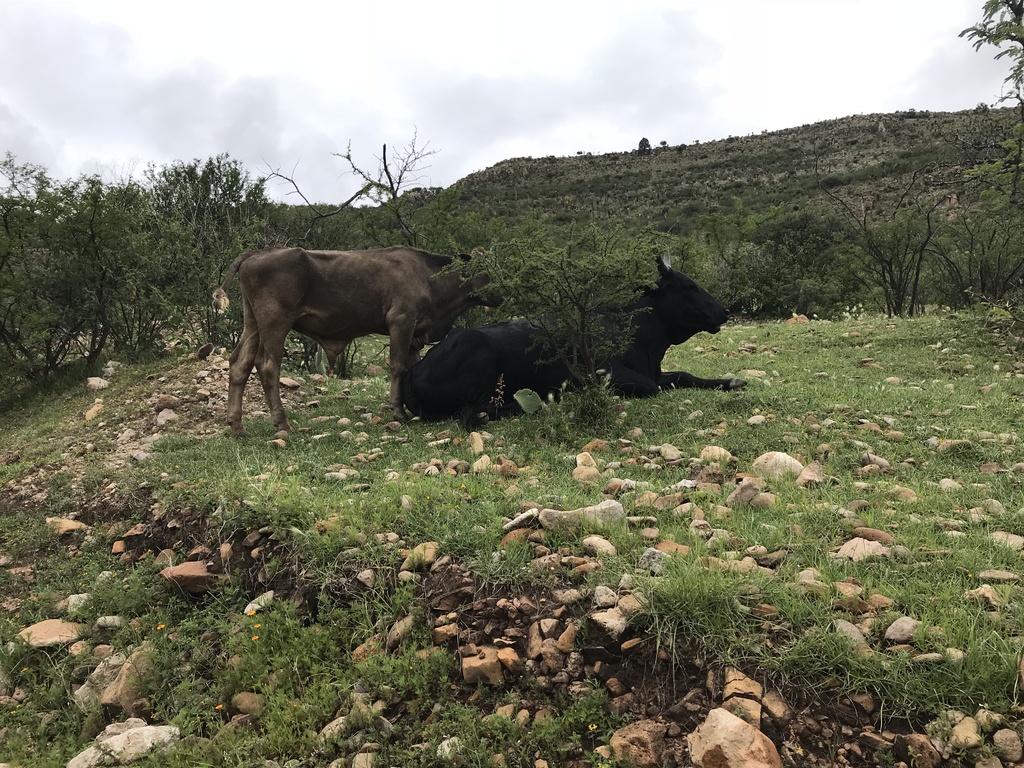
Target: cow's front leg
(684, 380)
(401, 356)
(629, 383)
(268, 366)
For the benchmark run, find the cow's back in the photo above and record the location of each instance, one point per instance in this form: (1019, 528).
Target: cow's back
(342, 294)
(524, 362)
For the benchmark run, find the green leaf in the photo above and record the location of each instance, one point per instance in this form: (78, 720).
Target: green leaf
(528, 400)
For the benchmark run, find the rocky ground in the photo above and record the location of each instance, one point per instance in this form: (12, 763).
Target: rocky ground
(683, 708)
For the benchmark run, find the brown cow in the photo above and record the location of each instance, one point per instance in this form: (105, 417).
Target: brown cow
(334, 297)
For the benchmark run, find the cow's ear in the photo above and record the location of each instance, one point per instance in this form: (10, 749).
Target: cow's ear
(664, 264)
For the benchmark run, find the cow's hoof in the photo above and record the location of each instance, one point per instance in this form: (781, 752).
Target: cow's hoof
(736, 383)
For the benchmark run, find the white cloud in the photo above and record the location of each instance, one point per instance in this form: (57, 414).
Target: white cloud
(283, 85)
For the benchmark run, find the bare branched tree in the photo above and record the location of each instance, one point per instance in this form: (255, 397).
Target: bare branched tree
(893, 238)
(392, 178)
(320, 212)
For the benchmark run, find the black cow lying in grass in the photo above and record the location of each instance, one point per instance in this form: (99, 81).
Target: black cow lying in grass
(477, 370)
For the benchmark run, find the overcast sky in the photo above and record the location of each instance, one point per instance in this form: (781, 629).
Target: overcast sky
(112, 85)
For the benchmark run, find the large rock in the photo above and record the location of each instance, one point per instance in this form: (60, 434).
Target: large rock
(726, 741)
(606, 514)
(639, 744)
(50, 632)
(128, 687)
(613, 621)
(484, 667)
(62, 526)
(776, 464)
(422, 557)
(857, 549)
(119, 745)
(88, 695)
(193, 577)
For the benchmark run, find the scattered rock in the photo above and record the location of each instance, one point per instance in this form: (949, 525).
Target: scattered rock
(902, 630)
(88, 695)
(1008, 744)
(858, 549)
(128, 687)
(598, 546)
(613, 621)
(966, 734)
(812, 474)
(1012, 540)
(639, 744)
(854, 635)
(606, 514)
(125, 743)
(61, 526)
(726, 741)
(483, 667)
(51, 632)
(776, 465)
(193, 577)
(985, 594)
(422, 557)
(399, 631)
(917, 750)
(715, 453)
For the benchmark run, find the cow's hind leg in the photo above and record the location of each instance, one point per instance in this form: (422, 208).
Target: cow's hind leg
(684, 380)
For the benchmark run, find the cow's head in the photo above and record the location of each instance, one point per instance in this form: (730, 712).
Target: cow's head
(477, 281)
(682, 306)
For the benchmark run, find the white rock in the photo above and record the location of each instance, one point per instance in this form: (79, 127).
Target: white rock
(126, 747)
(450, 749)
(858, 549)
(715, 453)
(260, 602)
(776, 464)
(165, 416)
(613, 621)
(1012, 540)
(598, 546)
(902, 630)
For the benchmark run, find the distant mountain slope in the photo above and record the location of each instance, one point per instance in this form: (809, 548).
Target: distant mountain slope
(667, 185)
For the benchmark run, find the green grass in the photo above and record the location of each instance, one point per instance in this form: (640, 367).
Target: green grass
(829, 392)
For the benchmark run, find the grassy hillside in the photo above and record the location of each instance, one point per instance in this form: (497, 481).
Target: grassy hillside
(665, 187)
(398, 576)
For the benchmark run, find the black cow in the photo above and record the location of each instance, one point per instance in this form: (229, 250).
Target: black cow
(478, 370)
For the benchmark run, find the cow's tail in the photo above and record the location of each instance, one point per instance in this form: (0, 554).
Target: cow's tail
(220, 296)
